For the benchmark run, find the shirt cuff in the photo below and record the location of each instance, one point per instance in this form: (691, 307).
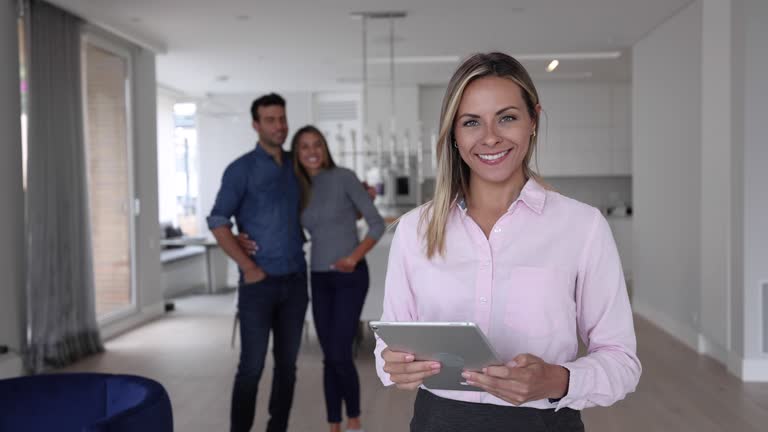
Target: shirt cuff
(577, 384)
(217, 221)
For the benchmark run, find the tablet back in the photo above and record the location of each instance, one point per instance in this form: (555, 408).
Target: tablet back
(457, 346)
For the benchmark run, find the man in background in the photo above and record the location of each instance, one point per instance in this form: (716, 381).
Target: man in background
(261, 192)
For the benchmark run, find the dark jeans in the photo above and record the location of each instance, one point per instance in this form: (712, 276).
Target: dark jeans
(337, 300)
(432, 413)
(279, 304)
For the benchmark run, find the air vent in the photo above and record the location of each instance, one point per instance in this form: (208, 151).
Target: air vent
(337, 111)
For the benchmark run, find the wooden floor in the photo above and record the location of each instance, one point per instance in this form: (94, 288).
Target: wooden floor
(188, 351)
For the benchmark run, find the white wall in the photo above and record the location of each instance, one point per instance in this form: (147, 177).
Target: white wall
(225, 133)
(738, 74)
(755, 178)
(148, 228)
(666, 170)
(12, 248)
(716, 201)
(585, 129)
(729, 38)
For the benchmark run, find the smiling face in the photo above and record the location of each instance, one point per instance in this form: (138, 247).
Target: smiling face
(493, 129)
(312, 152)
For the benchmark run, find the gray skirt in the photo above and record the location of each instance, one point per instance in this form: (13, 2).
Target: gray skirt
(432, 413)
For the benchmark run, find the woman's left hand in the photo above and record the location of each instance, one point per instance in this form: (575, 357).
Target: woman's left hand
(526, 378)
(345, 265)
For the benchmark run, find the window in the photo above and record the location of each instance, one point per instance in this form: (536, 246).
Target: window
(178, 163)
(186, 171)
(106, 88)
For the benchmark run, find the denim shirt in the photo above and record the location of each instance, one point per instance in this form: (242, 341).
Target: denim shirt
(264, 199)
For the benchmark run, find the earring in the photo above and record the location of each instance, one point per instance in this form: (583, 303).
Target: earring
(534, 133)
(454, 144)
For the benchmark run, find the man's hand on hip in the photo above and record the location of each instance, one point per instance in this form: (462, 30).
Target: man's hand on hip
(253, 274)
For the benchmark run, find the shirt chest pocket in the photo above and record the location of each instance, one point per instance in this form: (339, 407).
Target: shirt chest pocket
(539, 301)
(264, 181)
(270, 186)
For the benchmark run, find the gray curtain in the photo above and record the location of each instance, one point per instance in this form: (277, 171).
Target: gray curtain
(62, 315)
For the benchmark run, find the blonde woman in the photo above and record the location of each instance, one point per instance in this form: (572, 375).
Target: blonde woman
(531, 267)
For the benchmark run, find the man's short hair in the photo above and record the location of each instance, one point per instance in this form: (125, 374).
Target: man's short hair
(266, 100)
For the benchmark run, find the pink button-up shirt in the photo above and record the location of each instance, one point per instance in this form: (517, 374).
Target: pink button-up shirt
(549, 271)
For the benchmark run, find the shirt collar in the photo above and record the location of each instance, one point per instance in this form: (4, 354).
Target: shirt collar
(533, 195)
(260, 152)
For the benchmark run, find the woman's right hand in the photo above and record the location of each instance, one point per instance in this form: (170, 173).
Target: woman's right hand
(246, 244)
(405, 372)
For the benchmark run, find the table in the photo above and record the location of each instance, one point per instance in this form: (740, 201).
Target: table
(209, 245)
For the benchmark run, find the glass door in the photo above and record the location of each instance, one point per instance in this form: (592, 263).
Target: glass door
(107, 105)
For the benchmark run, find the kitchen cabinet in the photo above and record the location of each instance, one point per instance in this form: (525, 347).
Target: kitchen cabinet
(585, 130)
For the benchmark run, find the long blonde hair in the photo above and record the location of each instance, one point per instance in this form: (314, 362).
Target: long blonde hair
(452, 172)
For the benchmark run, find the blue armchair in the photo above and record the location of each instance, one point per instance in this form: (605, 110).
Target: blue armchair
(84, 402)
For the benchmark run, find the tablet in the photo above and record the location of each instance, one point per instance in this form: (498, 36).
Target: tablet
(456, 345)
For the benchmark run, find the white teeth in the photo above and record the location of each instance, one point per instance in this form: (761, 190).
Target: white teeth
(493, 156)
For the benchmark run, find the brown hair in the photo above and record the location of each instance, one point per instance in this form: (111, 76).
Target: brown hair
(305, 181)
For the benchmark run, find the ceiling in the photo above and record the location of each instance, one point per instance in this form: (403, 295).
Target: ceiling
(245, 46)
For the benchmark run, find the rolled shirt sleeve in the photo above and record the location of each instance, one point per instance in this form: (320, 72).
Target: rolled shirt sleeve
(231, 192)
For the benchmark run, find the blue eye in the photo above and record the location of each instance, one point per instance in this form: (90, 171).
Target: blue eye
(469, 123)
(508, 118)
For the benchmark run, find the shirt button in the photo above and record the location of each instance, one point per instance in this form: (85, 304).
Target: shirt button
(483, 300)
(497, 230)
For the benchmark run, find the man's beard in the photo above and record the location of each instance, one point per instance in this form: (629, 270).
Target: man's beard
(271, 143)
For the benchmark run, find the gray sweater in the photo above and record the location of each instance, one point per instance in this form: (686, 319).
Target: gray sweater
(331, 216)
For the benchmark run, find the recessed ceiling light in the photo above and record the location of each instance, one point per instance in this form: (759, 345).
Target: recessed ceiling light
(222, 78)
(243, 17)
(552, 65)
(135, 20)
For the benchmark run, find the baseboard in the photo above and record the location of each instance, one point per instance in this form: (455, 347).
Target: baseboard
(754, 370)
(10, 366)
(748, 370)
(735, 364)
(147, 314)
(678, 330)
(713, 349)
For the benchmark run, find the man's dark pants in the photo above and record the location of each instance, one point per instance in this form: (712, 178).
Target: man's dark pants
(279, 304)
